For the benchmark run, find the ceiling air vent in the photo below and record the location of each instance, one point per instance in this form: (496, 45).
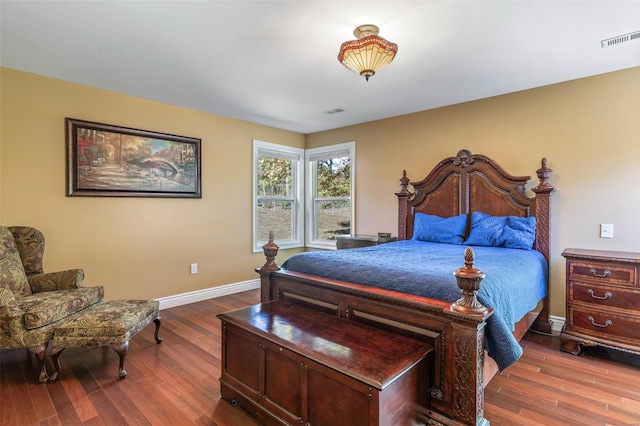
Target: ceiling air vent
(620, 39)
(334, 111)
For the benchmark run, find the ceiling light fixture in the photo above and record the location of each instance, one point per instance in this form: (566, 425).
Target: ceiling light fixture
(369, 53)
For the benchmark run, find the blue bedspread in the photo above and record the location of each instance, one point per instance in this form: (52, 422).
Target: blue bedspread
(515, 280)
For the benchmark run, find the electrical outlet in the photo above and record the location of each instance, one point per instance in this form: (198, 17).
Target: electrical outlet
(606, 230)
(194, 268)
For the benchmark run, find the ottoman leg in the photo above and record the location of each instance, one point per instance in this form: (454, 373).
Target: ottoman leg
(55, 355)
(122, 351)
(157, 321)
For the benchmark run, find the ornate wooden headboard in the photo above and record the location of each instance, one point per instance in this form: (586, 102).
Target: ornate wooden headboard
(470, 183)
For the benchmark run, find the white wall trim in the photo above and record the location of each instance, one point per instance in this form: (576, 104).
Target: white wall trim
(557, 323)
(207, 293)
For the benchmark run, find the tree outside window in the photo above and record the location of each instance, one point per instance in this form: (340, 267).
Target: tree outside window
(277, 195)
(330, 186)
(333, 197)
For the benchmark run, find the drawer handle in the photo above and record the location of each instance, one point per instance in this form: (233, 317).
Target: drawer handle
(605, 297)
(604, 275)
(606, 324)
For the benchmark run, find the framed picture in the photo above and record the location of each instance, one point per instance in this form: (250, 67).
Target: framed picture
(111, 161)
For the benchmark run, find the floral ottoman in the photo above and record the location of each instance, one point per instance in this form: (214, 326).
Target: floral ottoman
(112, 323)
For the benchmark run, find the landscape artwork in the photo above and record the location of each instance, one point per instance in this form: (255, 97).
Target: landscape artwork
(111, 161)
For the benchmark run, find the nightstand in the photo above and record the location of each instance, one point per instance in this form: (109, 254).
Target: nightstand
(356, 241)
(603, 300)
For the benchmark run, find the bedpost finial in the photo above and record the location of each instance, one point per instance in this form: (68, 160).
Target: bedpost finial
(270, 251)
(469, 257)
(469, 279)
(404, 183)
(544, 173)
(404, 180)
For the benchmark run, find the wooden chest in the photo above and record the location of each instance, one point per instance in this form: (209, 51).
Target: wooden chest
(603, 300)
(286, 364)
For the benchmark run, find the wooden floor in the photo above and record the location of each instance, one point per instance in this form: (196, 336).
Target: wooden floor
(176, 382)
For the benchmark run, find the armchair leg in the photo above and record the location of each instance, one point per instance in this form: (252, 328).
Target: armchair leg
(40, 351)
(55, 355)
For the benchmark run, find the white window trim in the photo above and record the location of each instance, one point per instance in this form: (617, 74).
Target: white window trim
(313, 153)
(298, 190)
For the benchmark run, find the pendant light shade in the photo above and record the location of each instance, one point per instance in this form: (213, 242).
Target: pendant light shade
(369, 53)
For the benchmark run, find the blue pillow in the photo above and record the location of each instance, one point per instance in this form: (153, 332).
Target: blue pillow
(438, 229)
(502, 231)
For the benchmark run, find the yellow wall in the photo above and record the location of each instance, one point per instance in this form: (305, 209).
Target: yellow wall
(142, 247)
(135, 247)
(588, 129)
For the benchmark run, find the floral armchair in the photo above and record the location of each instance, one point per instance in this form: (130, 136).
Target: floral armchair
(33, 303)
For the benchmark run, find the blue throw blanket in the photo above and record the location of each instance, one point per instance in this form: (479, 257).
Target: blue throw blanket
(515, 280)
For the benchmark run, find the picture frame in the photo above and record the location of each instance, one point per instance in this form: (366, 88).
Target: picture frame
(104, 160)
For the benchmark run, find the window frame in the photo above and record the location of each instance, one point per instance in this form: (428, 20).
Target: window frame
(310, 222)
(262, 148)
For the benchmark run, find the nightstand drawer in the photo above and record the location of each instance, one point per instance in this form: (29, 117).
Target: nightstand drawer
(610, 273)
(607, 326)
(604, 296)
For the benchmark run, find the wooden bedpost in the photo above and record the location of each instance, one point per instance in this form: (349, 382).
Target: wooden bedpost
(468, 398)
(543, 232)
(403, 212)
(270, 252)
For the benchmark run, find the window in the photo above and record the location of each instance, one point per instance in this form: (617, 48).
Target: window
(277, 195)
(330, 187)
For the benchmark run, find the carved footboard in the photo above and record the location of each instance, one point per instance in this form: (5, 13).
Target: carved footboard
(456, 330)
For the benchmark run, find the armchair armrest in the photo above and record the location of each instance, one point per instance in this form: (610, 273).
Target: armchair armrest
(60, 280)
(10, 315)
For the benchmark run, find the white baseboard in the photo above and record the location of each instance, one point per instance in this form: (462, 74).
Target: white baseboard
(557, 323)
(207, 293)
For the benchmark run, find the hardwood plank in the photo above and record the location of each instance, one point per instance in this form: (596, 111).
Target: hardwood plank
(106, 409)
(75, 363)
(573, 381)
(562, 399)
(20, 412)
(226, 415)
(506, 406)
(43, 406)
(81, 400)
(554, 419)
(64, 406)
(51, 421)
(501, 416)
(95, 421)
(149, 401)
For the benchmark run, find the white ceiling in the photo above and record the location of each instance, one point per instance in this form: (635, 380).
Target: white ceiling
(275, 62)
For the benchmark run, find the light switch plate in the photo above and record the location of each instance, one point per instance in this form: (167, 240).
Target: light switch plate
(606, 230)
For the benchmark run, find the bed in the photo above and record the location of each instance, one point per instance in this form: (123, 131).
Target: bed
(474, 334)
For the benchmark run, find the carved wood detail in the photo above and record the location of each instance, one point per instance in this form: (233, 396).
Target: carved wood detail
(270, 252)
(469, 279)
